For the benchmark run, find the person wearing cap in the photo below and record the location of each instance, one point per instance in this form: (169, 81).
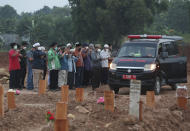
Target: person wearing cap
(69, 46)
(37, 66)
(53, 66)
(79, 66)
(30, 58)
(23, 63)
(96, 67)
(105, 55)
(14, 67)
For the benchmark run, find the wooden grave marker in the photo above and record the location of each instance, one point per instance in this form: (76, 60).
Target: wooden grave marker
(79, 94)
(140, 110)
(109, 100)
(61, 110)
(1, 101)
(182, 96)
(150, 99)
(42, 87)
(61, 125)
(135, 90)
(11, 100)
(65, 94)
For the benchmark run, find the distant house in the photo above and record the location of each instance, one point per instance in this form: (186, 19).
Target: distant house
(9, 38)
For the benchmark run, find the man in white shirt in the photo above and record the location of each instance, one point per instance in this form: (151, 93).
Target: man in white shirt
(104, 54)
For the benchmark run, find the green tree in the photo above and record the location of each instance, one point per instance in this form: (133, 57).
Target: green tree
(109, 20)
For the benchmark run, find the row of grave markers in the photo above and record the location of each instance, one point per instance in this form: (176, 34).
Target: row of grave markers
(61, 122)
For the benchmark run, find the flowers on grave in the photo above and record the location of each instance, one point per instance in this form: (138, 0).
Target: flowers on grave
(50, 117)
(100, 100)
(17, 92)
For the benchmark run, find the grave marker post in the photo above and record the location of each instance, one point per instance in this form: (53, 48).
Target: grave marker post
(42, 87)
(65, 93)
(11, 100)
(79, 94)
(150, 99)
(1, 101)
(135, 90)
(109, 100)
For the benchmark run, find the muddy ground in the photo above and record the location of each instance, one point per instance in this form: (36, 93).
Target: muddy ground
(31, 110)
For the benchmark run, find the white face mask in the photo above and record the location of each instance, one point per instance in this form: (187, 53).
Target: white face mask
(24, 48)
(99, 50)
(15, 47)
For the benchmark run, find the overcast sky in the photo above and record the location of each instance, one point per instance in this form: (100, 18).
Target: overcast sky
(32, 5)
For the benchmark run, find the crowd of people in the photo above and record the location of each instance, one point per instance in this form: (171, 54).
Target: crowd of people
(78, 65)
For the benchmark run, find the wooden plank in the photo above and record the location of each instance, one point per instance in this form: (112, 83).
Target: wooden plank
(61, 125)
(150, 99)
(1, 101)
(109, 100)
(61, 110)
(79, 94)
(140, 110)
(182, 102)
(65, 94)
(11, 100)
(42, 87)
(135, 90)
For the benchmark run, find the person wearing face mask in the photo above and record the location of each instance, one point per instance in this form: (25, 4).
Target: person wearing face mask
(23, 64)
(105, 55)
(79, 66)
(37, 66)
(96, 67)
(53, 66)
(14, 67)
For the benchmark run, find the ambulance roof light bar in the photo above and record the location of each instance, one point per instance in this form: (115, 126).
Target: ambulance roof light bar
(144, 36)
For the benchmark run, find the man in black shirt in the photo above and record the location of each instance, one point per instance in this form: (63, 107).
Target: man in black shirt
(23, 61)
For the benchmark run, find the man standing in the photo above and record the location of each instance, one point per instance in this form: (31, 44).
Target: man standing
(105, 66)
(37, 66)
(96, 68)
(87, 65)
(79, 66)
(23, 61)
(30, 58)
(14, 67)
(54, 66)
(63, 73)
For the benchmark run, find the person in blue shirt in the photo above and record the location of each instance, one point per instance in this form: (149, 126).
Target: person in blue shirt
(30, 58)
(37, 66)
(63, 72)
(72, 68)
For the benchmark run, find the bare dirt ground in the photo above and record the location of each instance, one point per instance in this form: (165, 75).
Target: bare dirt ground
(31, 110)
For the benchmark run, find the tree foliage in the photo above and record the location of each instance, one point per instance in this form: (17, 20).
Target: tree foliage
(109, 20)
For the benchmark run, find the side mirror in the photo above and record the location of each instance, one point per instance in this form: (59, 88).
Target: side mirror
(164, 54)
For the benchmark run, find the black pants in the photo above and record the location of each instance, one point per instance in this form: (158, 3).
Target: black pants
(79, 77)
(22, 76)
(53, 79)
(104, 75)
(44, 74)
(87, 77)
(70, 79)
(14, 82)
(96, 73)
